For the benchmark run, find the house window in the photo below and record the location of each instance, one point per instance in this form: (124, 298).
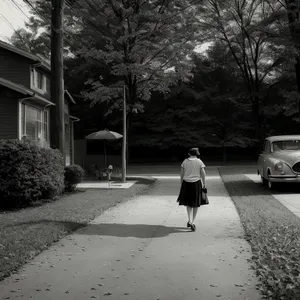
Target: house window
(35, 124)
(38, 81)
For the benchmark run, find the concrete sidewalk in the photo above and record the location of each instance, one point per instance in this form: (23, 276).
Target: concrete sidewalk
(142, 250)
(105, 185)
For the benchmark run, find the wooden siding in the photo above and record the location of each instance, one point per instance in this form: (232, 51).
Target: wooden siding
(9, 126)
(15, 68)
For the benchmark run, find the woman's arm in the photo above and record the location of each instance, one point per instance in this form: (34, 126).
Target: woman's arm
(181, 174)
(203, 175)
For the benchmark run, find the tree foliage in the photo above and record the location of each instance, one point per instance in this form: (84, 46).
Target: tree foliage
(145, 44)
(211, 111)
(32, 41)
(254, 39)
(36, 36)
(243, 88)
(226, 104)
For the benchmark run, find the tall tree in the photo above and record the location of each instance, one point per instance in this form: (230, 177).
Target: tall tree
(226, 107)
(247, 29)
(146, 45)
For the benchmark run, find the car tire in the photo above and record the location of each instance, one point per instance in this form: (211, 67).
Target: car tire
(271, 185)
(263, 180)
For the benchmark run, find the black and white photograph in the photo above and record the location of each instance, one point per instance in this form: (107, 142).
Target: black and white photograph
(150, 149)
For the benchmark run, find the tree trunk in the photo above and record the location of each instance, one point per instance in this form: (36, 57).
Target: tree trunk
(127, 152)
(257, 117)
(57, 85)
(129, 126)
(297, 67)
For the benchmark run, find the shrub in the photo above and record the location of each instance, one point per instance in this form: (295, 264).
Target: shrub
(28, 173)
(73, 175)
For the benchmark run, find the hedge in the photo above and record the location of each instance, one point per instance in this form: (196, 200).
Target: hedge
(73, 175)
(28, 173)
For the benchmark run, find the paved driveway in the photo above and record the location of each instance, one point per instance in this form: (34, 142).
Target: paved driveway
(141, 249)
(289, 197)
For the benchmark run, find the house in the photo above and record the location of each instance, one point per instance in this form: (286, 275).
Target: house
(25, 102)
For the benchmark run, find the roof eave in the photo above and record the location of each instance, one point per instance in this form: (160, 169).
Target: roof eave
(16, 87)
(26, 54)
(47, 102)
(22, 90)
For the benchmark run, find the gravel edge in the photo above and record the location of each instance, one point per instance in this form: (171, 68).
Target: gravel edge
(273, 233)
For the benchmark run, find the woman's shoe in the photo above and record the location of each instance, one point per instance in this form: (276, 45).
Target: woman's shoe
(188, 224)
(193, 226)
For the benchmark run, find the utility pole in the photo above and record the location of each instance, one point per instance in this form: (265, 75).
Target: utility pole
(124, 137)
(57, 82)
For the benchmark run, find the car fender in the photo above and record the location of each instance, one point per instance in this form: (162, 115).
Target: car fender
(267, 165)
(270, 166)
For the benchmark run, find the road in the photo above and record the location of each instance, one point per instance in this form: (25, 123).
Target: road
(141, 249)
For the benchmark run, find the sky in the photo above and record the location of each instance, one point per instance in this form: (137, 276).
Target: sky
(11, 17)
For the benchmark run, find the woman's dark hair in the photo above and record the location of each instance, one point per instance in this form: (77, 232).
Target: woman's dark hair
(194, 152)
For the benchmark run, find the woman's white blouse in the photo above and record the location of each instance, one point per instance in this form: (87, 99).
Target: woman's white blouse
(192, 167)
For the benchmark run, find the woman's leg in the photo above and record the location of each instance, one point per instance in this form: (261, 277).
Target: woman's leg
(195, 210)
(189, 212)
(197, 191)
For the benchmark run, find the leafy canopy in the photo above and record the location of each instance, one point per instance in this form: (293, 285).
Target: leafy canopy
(145, 44)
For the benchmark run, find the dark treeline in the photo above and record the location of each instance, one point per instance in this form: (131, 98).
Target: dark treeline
(224, 100)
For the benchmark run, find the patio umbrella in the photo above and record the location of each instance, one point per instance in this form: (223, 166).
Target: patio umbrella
(104, 135)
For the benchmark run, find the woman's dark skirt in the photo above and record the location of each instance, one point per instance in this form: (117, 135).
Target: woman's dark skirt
(190, 194)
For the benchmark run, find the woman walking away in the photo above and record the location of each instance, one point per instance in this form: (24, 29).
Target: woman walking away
(192, 182)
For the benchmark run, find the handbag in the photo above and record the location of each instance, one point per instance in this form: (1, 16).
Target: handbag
(204, 198)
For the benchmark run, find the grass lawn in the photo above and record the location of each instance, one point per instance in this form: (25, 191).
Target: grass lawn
(25, 233)
(273, 232)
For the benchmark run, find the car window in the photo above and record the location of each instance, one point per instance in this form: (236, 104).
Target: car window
(286, 145)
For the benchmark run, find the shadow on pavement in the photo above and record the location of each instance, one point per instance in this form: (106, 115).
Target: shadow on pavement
(132, 230)
(143, 231)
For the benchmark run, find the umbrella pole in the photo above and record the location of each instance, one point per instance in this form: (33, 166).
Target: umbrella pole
(124, 137)
(105, 159)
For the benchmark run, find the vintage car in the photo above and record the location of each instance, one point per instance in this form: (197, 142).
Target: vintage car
(280, 160)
